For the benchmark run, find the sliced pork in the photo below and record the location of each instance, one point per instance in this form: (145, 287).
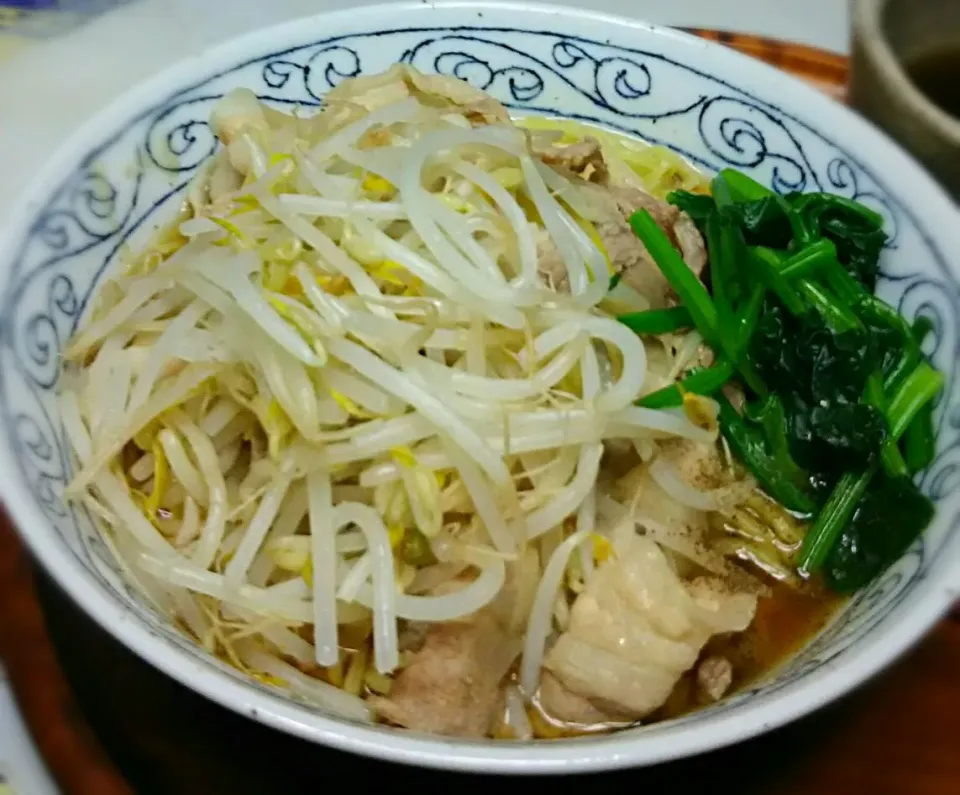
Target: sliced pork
(634, 632)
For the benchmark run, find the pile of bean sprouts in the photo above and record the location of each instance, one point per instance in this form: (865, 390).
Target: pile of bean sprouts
(338, 382)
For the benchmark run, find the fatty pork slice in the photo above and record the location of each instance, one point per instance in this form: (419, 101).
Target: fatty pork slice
(633, 633)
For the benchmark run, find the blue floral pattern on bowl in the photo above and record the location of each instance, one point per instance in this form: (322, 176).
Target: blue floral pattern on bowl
(131, 182)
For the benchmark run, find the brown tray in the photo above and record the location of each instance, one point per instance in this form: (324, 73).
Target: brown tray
(109, 724)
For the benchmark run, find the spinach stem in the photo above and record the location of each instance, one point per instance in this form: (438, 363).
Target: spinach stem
(919, 441)
(833, 517)
(703, 382)
(658, 321)
(838, 317)
(871, 217)
(740, 187)
(918, 389)
(692, 293)
(767, 267)
(729, 251)
(749, 317)
(890, 456)
(811, 260)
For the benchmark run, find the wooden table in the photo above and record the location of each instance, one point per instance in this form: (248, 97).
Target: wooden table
(109, 724)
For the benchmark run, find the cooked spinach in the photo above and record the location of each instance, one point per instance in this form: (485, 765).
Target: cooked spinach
(838, 394)
(888, 519)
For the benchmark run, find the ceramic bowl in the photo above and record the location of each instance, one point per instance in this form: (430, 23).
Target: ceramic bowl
(123, 174)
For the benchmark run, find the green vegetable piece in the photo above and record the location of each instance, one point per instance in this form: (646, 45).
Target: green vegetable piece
(728, 252)
(920, 441)
(740, 187)
(687, 286)
(820, 377)
(803, 227)
(854, 432)
(658, 321)
(842, 283)
(882, 314)
(764, 222)
(827, 527)
(749, 317)
(918, 389)
(770, 415)
(722, 245)
(856, 230)
(812, 260)
(922, 326)
(703, 382)
(722, 195)
(696, 205)
(891, 339)
(890, 517)
(767, 267)
(748, 445)
(839, 318)
(901, 368)
(871, 218)
(893, 463)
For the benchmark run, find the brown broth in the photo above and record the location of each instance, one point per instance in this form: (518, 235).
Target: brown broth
(936, 73)
(785, 621)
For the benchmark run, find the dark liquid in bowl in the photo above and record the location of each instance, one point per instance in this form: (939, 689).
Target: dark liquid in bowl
(937, 74)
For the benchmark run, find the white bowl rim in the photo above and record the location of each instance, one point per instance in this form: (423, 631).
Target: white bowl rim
(581, 755)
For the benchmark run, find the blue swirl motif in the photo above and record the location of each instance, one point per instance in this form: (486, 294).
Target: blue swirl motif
(624, 89)
(473, 61)
(43, 333)
(91, 207)
(41, 458)
(737, 132)
(608, 80)
(179, 137)
(322, 70)
(42, 303)
(615, 78)
(87, 210)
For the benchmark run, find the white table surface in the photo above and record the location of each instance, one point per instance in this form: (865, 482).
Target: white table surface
(50, 85)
